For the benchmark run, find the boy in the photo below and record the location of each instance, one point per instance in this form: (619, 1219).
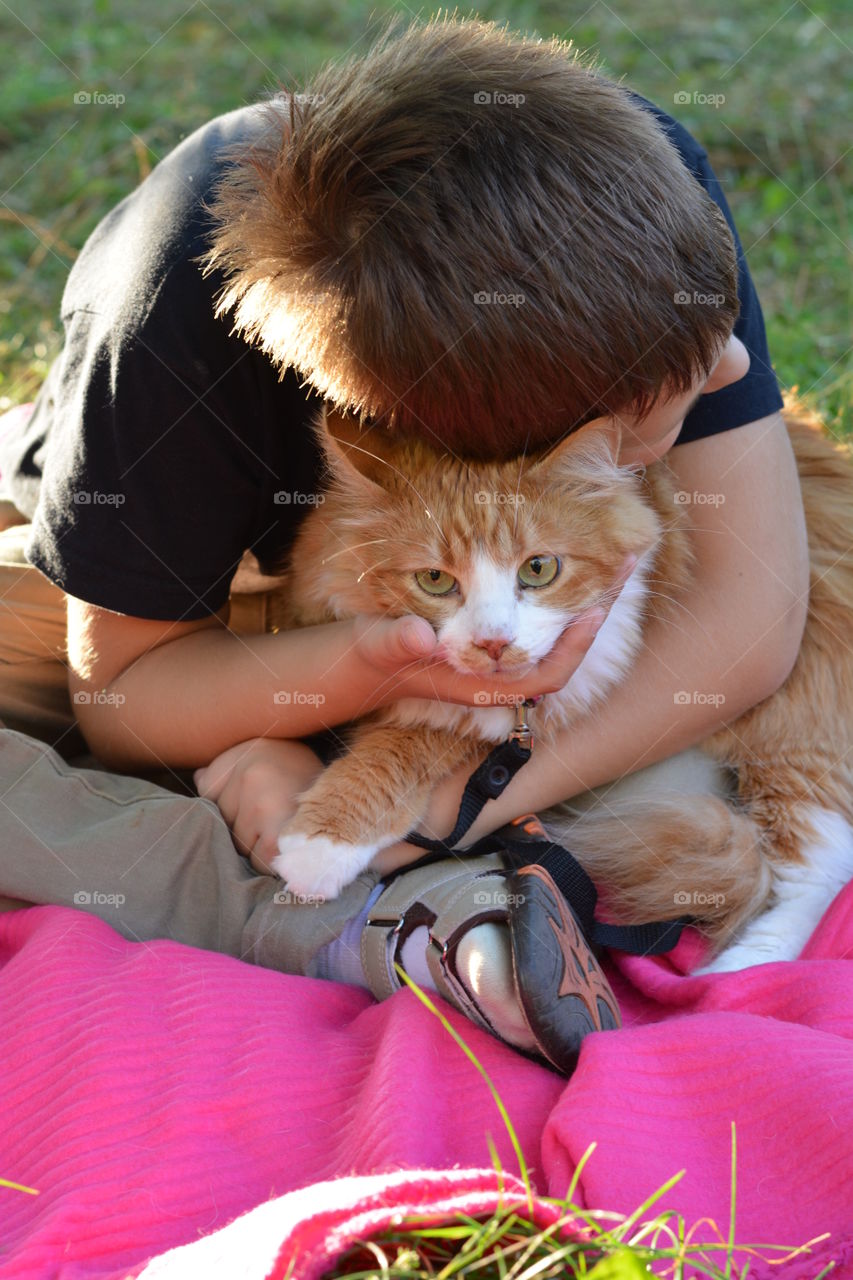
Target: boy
(368, 235)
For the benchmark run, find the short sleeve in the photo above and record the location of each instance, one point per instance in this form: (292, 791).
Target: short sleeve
(168, 435)
(153, 476)
(757, 394)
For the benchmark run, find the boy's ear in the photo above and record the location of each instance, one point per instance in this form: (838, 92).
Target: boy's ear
(352, 452)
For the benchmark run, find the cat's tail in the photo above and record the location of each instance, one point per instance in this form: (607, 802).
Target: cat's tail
(693, 855)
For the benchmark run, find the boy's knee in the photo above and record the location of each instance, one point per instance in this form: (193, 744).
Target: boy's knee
(34, 696)
(10, 515)
(32, 609)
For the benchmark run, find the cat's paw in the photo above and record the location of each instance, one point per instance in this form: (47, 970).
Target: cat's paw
(318, 866)
(738, 957)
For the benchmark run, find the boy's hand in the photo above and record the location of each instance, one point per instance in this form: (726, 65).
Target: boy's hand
(256, 786)
(400, 650)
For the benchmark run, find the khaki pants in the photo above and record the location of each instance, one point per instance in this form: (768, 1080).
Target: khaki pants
(150, 862)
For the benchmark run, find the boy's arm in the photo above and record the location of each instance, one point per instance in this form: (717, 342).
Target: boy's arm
(148, 693)
(736, 635)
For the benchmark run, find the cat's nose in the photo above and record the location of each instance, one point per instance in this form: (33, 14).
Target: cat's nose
(493, 647)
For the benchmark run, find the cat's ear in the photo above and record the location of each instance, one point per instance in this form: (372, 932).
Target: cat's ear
(592, 450)
(603, 438)
(353, 453)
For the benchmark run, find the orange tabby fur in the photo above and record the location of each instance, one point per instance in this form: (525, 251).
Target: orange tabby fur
(394, 508)
(790, 753)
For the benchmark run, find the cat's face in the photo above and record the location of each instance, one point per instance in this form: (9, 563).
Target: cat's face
(499, 558)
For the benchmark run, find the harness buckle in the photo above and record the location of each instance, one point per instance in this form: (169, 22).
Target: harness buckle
(521, 731)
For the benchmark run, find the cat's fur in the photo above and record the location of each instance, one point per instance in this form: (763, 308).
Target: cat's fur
(753, 837)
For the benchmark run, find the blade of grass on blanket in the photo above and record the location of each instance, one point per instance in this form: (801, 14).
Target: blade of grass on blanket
(507, 1246)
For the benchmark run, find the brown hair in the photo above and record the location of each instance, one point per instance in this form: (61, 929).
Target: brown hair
(475, 237)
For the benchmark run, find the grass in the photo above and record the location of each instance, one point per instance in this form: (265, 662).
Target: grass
(778, 142)
(17, 1186)
(595, 1245)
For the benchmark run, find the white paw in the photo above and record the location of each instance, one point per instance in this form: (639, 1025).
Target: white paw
(733, 959)
(318, 866)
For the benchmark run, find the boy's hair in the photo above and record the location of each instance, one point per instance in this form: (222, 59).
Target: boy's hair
(475, 237)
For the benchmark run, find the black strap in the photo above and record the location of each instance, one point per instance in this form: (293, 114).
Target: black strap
(486, 783)
(651, 939)
(641, 939)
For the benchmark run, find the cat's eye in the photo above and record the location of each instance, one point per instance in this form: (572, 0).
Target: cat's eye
(435, 581)
(538, 571)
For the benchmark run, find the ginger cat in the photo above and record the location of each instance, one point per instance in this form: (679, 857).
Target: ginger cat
(750, 832)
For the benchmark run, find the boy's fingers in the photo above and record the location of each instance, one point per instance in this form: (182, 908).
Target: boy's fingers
(559, 665)
(550, 673)
(211, 780)
(207, 784)
(391, 642)
(244, 847)
(265, 848)
(397, 643)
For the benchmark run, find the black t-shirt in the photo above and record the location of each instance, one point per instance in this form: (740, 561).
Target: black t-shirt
(161, 446)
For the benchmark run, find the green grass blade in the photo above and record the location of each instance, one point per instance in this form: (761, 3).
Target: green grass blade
(731, 1244)
(17, 1186)
(579, 1168)
(472, 1057)
(629, 1222)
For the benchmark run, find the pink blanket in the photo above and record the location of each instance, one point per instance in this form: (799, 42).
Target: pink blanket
(153, 1094)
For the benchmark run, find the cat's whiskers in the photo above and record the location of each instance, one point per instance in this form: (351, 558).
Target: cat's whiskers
(611, 595)
(395, 679)
(517, 504)
(373, 542)
(384, 462)
(670, 526)
(661, 595)
(372, 567)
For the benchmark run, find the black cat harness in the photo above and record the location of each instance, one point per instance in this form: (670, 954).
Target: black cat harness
(487, 782)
